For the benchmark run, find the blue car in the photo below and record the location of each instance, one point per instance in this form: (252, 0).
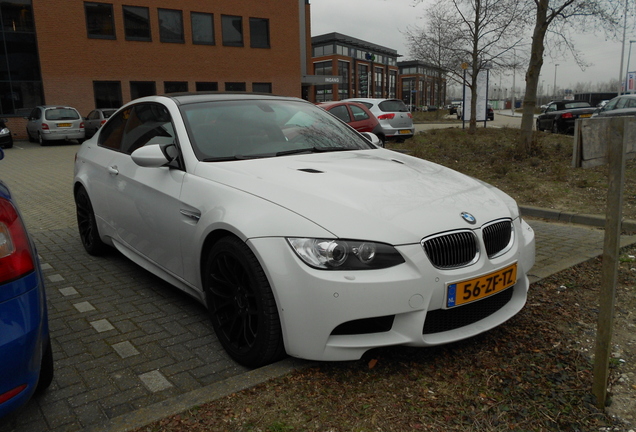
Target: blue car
(26, 359)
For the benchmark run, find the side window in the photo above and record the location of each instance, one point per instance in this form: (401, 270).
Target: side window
(621, 103)
(147, 122)
(112, 132)
(631, 103)
(92, 115)
(341, 112)
(610, 105)
(35, 114)
(358, 113)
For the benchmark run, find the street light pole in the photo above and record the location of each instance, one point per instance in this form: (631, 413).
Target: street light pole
(627, 71)
(554, 87)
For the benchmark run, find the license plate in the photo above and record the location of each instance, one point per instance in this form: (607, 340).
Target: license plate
(585, 115)
(404, 131)
(470, 290)
(64, 124)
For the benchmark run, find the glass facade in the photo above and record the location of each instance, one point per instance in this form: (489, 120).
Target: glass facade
(20, 80)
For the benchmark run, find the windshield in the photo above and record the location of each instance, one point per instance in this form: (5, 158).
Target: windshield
(231, 130)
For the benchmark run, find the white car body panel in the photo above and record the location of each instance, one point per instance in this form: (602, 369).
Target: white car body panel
(161, 218)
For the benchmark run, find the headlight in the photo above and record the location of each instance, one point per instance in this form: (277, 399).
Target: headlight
(5, 131)
(330, 254)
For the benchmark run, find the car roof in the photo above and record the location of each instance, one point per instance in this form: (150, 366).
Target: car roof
(189, 98)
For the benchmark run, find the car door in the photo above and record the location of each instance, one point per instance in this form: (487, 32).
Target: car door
(32, 123)
(89, 123)
(547, 118)
(144, 206)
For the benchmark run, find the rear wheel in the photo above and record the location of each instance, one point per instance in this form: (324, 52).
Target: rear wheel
(40, 139)
(87, 224)
(555, 127)
(539, 126)
(241, 304)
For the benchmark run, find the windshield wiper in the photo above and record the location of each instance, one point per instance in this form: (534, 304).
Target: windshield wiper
(312, 150)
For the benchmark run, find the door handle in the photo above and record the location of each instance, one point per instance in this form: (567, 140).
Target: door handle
(112, 170)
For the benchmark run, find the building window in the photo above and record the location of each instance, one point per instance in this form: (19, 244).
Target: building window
(107, 94)
(324, 93)
(392, 84)
(262, 87)
(235, 86)
(99, 20)
(343, 87)
(259, 33)
(170, 26)
(142, 88)
(175, 86)
(202, 28)
(207, 86)
(232, 30)
(363, 81)
(378, 85)
(136, 23)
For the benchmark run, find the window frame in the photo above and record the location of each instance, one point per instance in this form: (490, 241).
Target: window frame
(224, 26)
(137, 38)
(163, 29)
(87, 15)
(255, 29)
(192, 28)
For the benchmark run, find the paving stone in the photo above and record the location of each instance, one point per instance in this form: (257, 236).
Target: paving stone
(125, 349)
(155, 381)
(84, 307)
(102, 325)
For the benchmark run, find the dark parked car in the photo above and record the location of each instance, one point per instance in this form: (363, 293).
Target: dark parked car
(25, 345)
(6, 140)
(624, 105)
(559, 116)
(357, 116)
(95, 119)
(490, 113)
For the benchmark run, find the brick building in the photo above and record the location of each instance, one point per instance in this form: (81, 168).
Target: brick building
(103, 54)
(357, 68)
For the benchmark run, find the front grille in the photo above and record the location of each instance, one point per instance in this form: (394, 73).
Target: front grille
(498, 237)
(450, 250)
(365, 326)
(442, 320)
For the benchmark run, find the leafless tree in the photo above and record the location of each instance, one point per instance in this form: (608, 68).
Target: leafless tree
(554, 20)
(471, 36)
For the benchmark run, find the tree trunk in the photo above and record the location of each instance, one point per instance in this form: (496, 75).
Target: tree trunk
(524, 146)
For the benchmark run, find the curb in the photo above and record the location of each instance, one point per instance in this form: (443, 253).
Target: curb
(571, 217)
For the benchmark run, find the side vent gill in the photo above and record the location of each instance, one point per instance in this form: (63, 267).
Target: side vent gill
(311, 170)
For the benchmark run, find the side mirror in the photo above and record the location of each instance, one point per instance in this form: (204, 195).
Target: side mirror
(154, 155)
(373, 138)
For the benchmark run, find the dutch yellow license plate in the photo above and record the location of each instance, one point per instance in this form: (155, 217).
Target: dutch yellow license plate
(404, 131)
(64, 124)
(470, 290)
(585, 115)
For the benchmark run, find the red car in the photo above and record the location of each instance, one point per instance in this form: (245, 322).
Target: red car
(355, 115)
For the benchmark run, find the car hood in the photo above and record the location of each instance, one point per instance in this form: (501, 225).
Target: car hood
(378, 195)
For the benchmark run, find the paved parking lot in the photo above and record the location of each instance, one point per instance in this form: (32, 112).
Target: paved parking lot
(127, 347)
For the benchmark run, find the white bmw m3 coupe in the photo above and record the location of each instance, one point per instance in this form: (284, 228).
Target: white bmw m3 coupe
(299, 234)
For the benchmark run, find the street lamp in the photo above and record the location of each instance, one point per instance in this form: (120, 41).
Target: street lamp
(627, 71)
(554, 87)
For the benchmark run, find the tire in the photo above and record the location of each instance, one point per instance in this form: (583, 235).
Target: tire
(87, 225)
(241, 304)
(46, 369)
(31, 139)
(382, 139)
(40, 139)
(555, 127)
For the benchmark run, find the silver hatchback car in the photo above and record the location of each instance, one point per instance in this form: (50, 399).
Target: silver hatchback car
(53, 123)
(394, 117)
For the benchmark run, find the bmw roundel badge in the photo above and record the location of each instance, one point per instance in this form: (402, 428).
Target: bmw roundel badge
(468, 218)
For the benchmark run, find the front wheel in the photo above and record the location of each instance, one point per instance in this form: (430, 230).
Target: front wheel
(87, 224)
(539, 126)
(241, 304)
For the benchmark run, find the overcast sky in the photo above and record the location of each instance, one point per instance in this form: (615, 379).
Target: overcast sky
(383, 22)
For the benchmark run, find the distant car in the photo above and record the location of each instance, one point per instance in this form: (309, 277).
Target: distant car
(95, 119)
(297, 233)
(602, 103)
(394, 117)
(624, 105)
(357, 116)
(6, 139)
(490, 113)
(49, 123)
(453, 107)
(25, 344)
(559, 116)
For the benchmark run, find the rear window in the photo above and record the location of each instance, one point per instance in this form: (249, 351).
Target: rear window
(577, 105)
(61, 114)
(107, 114)
(393, 105)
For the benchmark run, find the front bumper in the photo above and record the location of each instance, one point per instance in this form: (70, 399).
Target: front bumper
(393, 304)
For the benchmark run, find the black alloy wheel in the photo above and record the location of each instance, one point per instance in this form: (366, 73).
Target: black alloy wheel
(241, 304)
(87, 224)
